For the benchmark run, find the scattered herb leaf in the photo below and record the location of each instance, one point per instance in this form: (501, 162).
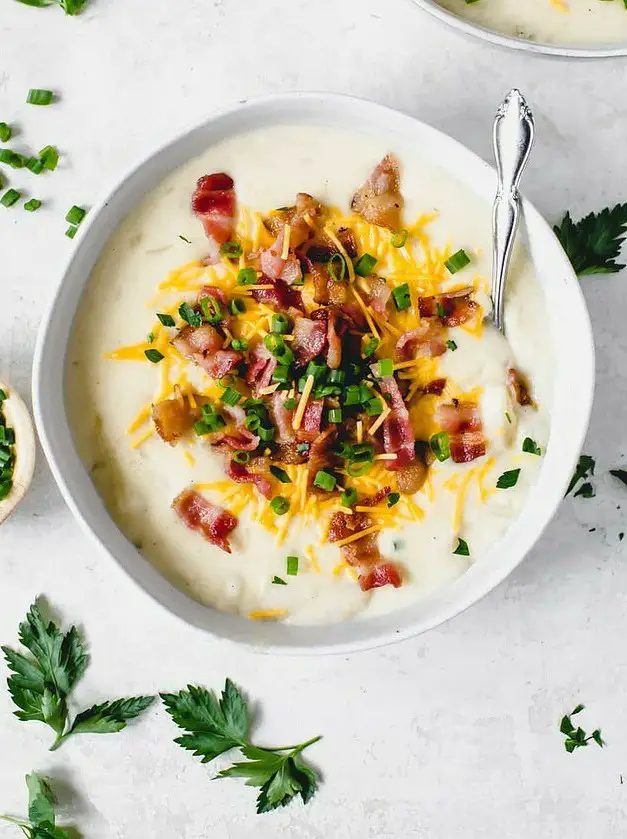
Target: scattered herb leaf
(584, 469)
(462, 548)
(585, 491)
(593, 244)
(576, 737)
(41, 822)
(508, 479)
(621, 474)
(531, 447)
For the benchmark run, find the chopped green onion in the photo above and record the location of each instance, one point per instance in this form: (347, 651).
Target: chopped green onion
(399, 239)
(462, 548)
(71, 231)
(348, 497)
(335, 415)
(302, 448)
(153, 355)
(508, 479)
(266, 434)
(246, 276)
(280, 474)
(3, 395)
(274, 343)
(190, 316)
(12, 158)
(185, 239)
(371, 347)
(531, 447)
(49, 157)
(211, 309)
(10, 197)
(32, 205)
(384, 368)
(150, 337)
(292, 566)
(36, 96)
(393, 498)
(324, 480)
(458, 261)
(5, 132)
(75, 215)
(35, 165)
(241, 456)
(401, 297)
(277, 581)
(279, 505)
(336, 377)
(352, 395)
(440, 445)
(210, 422)
(365, 264)
(231, 249)
(374, 408)
(451, 345)
(239, 344)
(166, 320)
(338, 259)
(5, 489)
(280, 324)
(230, 396)
(508, 418)
(237, 306)
(281, 373)
(316, 370)
(365, 394)
(7, 435)
(440, 310)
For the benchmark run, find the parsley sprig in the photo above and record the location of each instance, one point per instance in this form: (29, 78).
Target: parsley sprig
(41, 822)
(70, 7)
(584, 470)
(593, 244)
(41, 683)
(215, 726)
(576, 737)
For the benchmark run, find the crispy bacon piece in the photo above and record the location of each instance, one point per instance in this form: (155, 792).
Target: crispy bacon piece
(201, 344)
(427, 339)
(435, 387)
(172, 419)
(291, 453)
(519, 387)
(208, 519)
(309, 339)
(241, 475)
(282, 417)
(283, 297)
(319, 453)
(222, 363)
(240, 440)
(379, 201)
(322, 249)
(334, 340)
(462, 422)
(452, 309)
(213, 202)
(312, 420)
(215, 292)
(364, 551)
(380, 293)
(398, 436)
(300, 229)
(381, 575)
(261, 368)
(377, 498)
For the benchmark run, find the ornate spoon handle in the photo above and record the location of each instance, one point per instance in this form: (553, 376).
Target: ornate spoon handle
(512, 137)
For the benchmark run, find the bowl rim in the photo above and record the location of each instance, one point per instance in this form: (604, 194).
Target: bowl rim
(515, 42)
(79, 492)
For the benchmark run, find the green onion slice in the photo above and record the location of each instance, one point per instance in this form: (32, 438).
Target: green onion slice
(279, 505)
(365, 265)
(231, 249)
(393, 498)
(292, 566)
(458, 261)
(280, 474)
(241, 456)
(190, 316)
(462, 548)
(49, 157)
(75, 215)
(5, 132)
(348, 497)
(325, 480)
(402, 299)
(10, 197)
(440, 445)
(32, 205)
(246, 276)
(36, 96)
(399, 239)
(153, 355)
(277, 581)
(337, 267)
(166, 320)
(230, 396)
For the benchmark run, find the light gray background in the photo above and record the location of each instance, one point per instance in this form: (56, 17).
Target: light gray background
(453, 734)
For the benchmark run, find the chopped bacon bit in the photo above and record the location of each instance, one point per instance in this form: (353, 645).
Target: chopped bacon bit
(215, 292)
(201, 344)
(312, 420)
(281, 296)
(309, 339)
(172, 419)
(380, 293)
(322, 249)
(435, 387)
(463, 424)
(410, 479)
(427, 339)
(213, 202)
(241, 475)
(334, 341)
(362, 552)
(292, 272)
(451, 309)
(240, 440)
(375, 499)
(295, 217)
(319, 453)
(519, 387)
(282, 417)
(290, 453)
(201, 515)
(321, 279)
(261, 368)
(379, 201)
(222, 363)
(382, 575)
(398, 436)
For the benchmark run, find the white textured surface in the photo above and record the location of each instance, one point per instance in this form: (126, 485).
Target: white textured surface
(450, 735)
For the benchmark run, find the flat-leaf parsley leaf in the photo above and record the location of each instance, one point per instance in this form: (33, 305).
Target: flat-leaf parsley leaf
(576, 737)
(41, 822)
(593, 244)
(584, 469)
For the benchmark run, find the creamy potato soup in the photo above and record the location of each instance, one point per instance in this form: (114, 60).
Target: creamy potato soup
(282, 383)
(573, 22)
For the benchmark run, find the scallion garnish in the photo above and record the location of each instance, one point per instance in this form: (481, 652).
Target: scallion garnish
(166, 320)
(32, 205)
(280, 474)
(279, 505)
(231, 249)
(239, 344)
(246, 276)
(266, 434)
(325, 480)
(237, 306)
(71, 231)
(384, 368)
(402, 298)
(370, 347)
(10, 197)
(508, 479)
(277, 581)
(34, 165)
(335, 415)
(399, 239)
(348, 497)
(365, 264)
(185, 239)
(458, 261)
(393, 498)
(462, 548)
(531, 447)
(439, 307)
(281, 373)
(153, 355)
(49, 158)
(36, 96)
(75, 215)
(280, 324)
(230, 396)
(292, 566)
(241, 456)
(336, 377)
(189, 315)
(211, 309)
(12, 158)
(5, 132)
(374, 407)
(290, 404)
(336, 267)
(440, 445)
(451, 345)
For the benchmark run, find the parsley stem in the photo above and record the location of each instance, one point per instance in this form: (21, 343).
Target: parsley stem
(61, 738)
(300, 747)
(18, 822)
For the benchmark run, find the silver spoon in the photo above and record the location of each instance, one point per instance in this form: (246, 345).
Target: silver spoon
(512, 139)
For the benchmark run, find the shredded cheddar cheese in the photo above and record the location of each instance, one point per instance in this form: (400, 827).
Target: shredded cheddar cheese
(300, 410)
(267, 614)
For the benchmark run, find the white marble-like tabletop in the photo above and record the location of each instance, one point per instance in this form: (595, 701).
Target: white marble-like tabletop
(453, 735)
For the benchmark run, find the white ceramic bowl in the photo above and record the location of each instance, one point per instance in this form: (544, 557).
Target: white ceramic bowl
(574, 373)
(523, 44)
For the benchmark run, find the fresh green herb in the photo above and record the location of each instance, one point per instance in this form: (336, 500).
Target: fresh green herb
(70, 7)
(531, 447)
(5, 132)
(12, 158)
(10, 197)
(302, 448)
(211, 309)
(365, 265)
(232, 250)
(41, 822)
(34, 165)
(586, 490)
(458, 261)
(230, 396)
(75, 215)
(153, 355)
(451, 345)
(246, 276)
(325, 480)
(278, 581)
(384, 368)
(214, 726)
(462, 548)
(185, 239)
(33, 205)
(280, 324)
(239, 344)
(166, 320)
(401, 296)
(150, 337)
(7, 453)
(71, 231)
(292, 566)
(620, 474)
(241, 457)
(584, 469)
(49, 157)
(280, 474)
(211, 421)
(189, 315)
(577, 738)
(335, 415)
(290, 404)
(279, 505)
(370, 347)
(593, 244)
(440, 310)
(237, 306)
(36, 96)
(393, 498)
(348, 497)
(508, 418)
(336, 267)
(399, 239)
(508, 479)
(440, 445)
(40, 684)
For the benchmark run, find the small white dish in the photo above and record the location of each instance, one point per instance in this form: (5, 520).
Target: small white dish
(573, 365)
(521, 44)
(18, 418)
